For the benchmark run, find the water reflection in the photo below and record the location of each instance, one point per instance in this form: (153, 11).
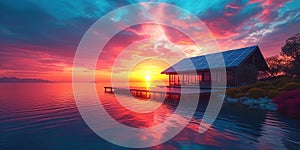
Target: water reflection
(270, 131)
(44, 116)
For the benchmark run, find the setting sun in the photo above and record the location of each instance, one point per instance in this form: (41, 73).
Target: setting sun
(148, 78)
(147, 72)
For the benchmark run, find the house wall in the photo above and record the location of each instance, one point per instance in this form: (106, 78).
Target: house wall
(206, 77)
(202, 78)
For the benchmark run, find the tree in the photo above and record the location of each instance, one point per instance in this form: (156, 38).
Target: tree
(296, 68)
(275, 65)
(292, 49)
(287, 66)
(278, 65)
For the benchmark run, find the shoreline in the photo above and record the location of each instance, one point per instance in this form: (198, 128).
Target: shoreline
(263, 103)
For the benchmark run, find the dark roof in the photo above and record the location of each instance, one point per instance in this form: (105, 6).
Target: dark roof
(232, 58)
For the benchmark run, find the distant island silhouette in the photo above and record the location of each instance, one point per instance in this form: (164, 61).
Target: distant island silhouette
(22, 80)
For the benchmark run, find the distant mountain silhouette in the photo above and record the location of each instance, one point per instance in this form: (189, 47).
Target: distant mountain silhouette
(22, 80)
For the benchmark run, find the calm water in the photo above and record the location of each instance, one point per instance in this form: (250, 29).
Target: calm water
(45, 116)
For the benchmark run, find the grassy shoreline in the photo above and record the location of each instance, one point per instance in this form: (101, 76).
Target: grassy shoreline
(283, 91)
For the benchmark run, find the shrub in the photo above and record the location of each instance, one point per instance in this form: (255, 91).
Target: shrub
(297, 80)
(272, 93)
(244, 89)
(232, 92)
(289, 103)
(256, 93)
(282, 97)
(261, 84)
(239, 95)
(268, 88)
(291, 86)
(280, 82)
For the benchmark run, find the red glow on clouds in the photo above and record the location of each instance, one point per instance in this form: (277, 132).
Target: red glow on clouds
(231, 25)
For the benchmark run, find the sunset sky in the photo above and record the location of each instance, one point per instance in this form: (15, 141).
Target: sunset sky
(39, 38)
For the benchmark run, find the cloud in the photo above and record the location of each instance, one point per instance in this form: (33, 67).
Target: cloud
(240, 23)
(42, 36)
(230, 18)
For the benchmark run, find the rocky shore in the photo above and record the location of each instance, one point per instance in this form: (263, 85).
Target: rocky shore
(264, 103)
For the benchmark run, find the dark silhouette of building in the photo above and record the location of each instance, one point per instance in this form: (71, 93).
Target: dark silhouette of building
(183, 72)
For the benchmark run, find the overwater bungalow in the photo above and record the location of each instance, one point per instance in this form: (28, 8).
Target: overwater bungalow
(196, 71)
(183, 73)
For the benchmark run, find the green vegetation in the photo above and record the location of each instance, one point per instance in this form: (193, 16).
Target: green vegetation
(272, 93)
(244, 89)
(271, 88)
(291, 50)
(291, 86)
(239, 95)
(232, 92)
(261, 84)
(256, 93)
(288, 103)
(281, 81)
(283, 74)
(288, 62)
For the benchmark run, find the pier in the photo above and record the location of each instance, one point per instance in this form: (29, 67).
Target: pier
(158, 92)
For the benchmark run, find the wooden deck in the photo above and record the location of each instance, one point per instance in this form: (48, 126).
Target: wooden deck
(158, 92)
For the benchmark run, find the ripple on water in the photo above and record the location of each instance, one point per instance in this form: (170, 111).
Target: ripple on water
(51, 115)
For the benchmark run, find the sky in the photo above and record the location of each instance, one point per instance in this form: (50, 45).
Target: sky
(39, 38)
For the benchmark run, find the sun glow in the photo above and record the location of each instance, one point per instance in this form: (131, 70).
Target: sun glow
(147, 72)
(148, 78)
